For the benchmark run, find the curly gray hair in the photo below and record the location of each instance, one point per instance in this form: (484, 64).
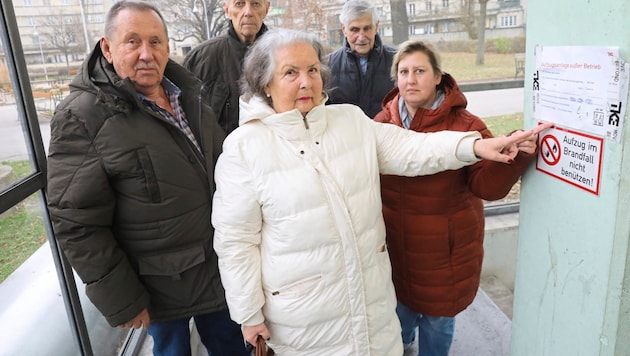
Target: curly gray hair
(260, 61)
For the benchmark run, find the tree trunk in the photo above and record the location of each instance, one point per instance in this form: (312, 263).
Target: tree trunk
(400, 22)
(481, 44)
(467, 18)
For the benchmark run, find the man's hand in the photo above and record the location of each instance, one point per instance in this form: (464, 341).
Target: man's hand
(140, 320)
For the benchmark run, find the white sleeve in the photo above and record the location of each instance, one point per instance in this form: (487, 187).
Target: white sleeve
(237, 220)
(409, 153)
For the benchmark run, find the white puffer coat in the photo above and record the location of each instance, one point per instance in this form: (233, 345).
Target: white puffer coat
(298, 224)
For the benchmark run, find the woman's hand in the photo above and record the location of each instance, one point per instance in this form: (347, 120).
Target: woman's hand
(250, 333)
(529, 145)
(504, 149)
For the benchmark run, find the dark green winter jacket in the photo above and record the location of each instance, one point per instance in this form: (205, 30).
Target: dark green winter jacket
(130, 196)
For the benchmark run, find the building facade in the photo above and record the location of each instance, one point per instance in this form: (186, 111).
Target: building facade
(427, 19)
(57, 34)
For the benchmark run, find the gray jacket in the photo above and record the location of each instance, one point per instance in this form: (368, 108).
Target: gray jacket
(130, 196)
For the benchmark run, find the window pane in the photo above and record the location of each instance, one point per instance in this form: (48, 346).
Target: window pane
(31, 303)
(14, 155)
(30, 297)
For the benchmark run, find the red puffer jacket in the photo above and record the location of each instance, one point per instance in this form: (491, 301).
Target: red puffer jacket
(435, 224)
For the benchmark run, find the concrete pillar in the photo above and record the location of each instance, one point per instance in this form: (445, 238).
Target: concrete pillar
(572, 289)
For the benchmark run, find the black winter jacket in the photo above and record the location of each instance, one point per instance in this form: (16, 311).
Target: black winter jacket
(130, 196)
(218, 62)
(350, 86)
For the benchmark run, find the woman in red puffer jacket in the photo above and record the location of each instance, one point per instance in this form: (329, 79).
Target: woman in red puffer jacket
(435, 223)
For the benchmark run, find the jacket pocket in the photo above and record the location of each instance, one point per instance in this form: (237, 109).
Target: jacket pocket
(152, 187)
(220, 101)
(293, 303)
(171, 264)
(297, 289)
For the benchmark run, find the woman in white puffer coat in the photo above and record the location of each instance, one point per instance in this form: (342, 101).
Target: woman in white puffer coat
(297, 211)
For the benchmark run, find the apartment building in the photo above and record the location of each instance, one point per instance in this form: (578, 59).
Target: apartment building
(427, 19)
(57, 34)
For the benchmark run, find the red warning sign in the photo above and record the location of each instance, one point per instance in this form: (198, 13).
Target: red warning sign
(550, 150)
(572, 157)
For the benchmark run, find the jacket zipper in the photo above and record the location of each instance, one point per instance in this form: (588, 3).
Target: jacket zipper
(227, 116)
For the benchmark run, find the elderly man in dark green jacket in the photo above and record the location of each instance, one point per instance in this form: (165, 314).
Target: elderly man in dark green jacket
(130, 185)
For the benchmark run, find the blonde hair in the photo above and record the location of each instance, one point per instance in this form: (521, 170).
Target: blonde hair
(409, 47)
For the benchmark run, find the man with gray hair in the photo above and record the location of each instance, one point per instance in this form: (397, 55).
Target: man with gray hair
(361, 66)
(130, 186)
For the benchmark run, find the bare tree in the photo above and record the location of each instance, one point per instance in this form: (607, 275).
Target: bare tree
(400, 21)
(63, 33)
(481, 42)
(475, 25)
(306, 15)
(187, 19)
(468, 18)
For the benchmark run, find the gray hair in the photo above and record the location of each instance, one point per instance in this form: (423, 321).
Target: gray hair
(112, 14)
(260, 61)
(356, 9)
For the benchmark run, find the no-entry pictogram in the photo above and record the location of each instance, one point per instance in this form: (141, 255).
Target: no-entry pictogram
(550, 150)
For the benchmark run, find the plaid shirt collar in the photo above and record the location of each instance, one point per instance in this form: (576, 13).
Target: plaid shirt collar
(179, 119)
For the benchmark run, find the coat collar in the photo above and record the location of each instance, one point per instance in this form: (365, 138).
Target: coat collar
(290, 125)
(454, 100)
(232, 32)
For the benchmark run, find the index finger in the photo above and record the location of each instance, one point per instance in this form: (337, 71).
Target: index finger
(524, 135)
(541, 127)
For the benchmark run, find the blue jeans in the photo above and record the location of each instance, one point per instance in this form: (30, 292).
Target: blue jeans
(435, 333)
(218, 333)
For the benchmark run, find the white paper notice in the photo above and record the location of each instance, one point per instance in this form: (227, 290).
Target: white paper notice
(583, 88)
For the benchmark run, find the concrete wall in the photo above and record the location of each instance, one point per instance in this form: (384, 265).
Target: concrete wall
(572, 287)
(499, 245)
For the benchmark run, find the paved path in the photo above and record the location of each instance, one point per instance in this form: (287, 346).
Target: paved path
(13, 136)
(495, 102)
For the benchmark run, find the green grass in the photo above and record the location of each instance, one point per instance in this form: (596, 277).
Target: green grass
(504, 124)
(21, 234)
(462, 66)
(20, 168)
(21, 227)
